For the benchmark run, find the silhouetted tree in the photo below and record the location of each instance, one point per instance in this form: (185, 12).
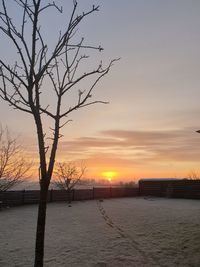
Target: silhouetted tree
(193, 175)
(67, 176)
(39, 69)
(13, 165)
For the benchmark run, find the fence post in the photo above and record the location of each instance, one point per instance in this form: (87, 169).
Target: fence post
(93, 196)
(73, 194)
(23, 197)
(110, 192)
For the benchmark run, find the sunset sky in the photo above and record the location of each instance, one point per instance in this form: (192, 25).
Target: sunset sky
(148, 128)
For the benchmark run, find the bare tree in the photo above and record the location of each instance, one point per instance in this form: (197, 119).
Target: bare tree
(67, 176)
(193, 175)
(40, 70)
(13, 165)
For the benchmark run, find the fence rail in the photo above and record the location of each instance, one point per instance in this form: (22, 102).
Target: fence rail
(14, 198)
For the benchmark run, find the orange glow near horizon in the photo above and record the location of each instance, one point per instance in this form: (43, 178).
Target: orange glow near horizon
(116, 170)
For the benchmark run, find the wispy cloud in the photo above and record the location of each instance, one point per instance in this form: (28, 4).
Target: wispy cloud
(180, 145)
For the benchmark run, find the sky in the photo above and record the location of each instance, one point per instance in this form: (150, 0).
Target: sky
(148, 127)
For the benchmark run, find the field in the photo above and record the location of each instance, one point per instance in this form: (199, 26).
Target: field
(121, 232)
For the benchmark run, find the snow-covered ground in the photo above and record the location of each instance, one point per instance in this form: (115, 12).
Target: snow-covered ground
(121, 232)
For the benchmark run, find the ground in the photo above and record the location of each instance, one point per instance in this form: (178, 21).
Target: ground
(123, 232)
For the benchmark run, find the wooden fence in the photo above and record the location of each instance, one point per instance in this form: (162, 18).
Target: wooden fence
(14, 198)
(159, 188)
(170, 188)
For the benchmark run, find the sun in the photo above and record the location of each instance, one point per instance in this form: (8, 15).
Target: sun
(109, 175)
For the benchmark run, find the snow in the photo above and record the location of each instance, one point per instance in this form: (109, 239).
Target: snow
(110, 233)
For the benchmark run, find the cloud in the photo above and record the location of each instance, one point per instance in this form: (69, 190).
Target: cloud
(143, 138)
(179, 145)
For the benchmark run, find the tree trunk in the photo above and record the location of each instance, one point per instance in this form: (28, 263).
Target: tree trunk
(40, 233)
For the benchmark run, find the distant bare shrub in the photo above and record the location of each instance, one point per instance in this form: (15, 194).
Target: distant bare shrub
(67, 176)
(193, 175)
